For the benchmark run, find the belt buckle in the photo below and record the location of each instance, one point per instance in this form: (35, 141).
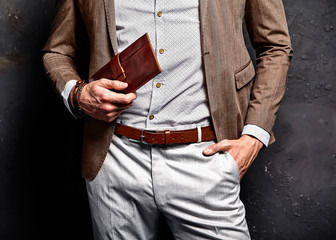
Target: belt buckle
(166, 134)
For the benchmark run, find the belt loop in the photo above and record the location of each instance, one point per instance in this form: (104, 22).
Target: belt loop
(199, 134)
(142, 136)
(167, 136)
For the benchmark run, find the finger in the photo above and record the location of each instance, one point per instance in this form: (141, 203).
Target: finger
(108, 96)
(214, 148)
(112, 117)
(120, 98)
(112, 84)
(110, 108)
(119, 105)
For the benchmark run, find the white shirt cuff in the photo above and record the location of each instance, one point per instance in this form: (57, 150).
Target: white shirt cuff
(257, 132)
(66, 92)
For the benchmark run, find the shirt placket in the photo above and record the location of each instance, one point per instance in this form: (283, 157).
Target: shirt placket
(157, 96)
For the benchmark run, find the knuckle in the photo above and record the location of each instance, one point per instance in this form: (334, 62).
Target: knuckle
(124, 100)
(115, 83)
(106, 108)
(95, 84)
(212, 148)
(102, 81)
(112, 83)
(105, 97)
(95, 90)
(129, 98)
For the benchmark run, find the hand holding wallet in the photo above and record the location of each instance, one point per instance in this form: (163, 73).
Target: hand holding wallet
(136, 65)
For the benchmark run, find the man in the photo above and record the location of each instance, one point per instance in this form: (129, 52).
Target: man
(189, 173)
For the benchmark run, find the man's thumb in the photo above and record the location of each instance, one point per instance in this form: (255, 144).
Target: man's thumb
(212, 149)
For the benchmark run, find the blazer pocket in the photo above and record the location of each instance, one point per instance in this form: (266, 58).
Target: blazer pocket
(244, 75)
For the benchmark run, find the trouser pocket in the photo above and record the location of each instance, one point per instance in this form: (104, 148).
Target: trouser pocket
(235, 168)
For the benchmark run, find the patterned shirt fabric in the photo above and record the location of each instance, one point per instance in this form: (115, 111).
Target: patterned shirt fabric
(176, 97)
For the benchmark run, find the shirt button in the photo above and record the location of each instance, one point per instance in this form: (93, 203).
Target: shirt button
(161, 51)
(151, 117)
(158, 85)
(159, 14)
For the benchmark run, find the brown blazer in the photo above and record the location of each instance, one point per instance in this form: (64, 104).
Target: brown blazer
(238, 94)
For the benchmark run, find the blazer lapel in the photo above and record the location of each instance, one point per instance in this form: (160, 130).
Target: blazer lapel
(111, 23)
(203, 9)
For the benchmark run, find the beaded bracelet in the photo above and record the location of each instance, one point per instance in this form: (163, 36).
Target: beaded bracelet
(80, 84)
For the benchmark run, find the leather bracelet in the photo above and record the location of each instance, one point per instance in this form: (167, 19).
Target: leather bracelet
(80, 84)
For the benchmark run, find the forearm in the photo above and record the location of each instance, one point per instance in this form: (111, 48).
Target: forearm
(267, 27)
(60, 70)
(59, 52)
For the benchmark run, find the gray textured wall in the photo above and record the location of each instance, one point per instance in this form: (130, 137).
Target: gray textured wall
(289, 192)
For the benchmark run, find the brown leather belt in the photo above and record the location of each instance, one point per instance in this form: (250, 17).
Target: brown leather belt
(165, 137)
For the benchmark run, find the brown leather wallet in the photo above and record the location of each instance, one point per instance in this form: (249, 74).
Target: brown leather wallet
(135, 65)
(165, 137)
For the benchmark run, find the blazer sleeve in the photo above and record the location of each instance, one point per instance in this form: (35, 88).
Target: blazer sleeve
(59, 52)
(267, 27)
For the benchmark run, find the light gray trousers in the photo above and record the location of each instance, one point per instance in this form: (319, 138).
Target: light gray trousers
(197, 194)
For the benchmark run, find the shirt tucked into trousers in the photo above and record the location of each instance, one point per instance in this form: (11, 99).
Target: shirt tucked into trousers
(197, 194)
